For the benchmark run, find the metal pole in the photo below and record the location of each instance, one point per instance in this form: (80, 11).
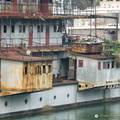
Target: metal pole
(116, 28)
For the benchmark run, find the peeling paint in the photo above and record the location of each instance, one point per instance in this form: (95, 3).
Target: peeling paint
(17, 79)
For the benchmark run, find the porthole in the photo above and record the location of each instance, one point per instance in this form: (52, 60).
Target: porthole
(40, 99)
(26, 101)
(79, 86)
(6, 103)
(68, 95)
(54, 97)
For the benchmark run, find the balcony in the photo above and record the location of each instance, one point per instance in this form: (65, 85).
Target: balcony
(29, 10)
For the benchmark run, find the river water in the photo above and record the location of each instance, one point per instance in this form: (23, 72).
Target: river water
(105, 111)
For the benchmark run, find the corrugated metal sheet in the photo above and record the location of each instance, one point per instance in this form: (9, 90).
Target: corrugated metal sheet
(12, 52)
(86, 48)
(94, 56)
(24, 58)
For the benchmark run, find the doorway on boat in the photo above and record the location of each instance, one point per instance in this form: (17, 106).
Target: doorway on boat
(68, 69)
(47, 34)
(30, 35)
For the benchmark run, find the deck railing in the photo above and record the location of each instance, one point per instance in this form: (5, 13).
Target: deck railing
(43, 9)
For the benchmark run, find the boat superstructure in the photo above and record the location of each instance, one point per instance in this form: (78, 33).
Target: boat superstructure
(42, 68)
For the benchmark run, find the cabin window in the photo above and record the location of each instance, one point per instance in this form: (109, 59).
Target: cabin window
(44, 69)
(103, 65)
(24, 28)
(20, 28)
(80, 63)
(54, 28)
(38, 28)
(107, 65)
(117, 65)
(49, 68)
(112, 64)
(99, 65)
(38, 69)
(12, 28)
(5, 29)
(41, 28)
(25, 70)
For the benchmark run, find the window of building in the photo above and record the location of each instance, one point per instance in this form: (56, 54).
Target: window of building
(12, 28)
(107, 65)
(41, 28)
(104, 65)
(38, 28)
(80, 63)
(20, 28)
(117, 65)
(38, 69)
(25, 70)
(24, 28)
(44, 69)
(55, 28)
(49, 68)
(99, 65)
(112, 64)
(5, 29)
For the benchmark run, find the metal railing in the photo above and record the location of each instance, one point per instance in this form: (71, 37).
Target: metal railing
(35, 8)
(25, 43)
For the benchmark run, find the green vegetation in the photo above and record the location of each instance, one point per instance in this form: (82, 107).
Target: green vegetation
(114, 48)
(91, 2)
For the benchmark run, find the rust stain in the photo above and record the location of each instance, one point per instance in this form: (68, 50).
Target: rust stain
(37, 81)
(85, 85)
(86, 48)
(30, 79)
(5, 93)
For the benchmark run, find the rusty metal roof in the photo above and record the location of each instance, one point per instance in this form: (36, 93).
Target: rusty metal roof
(12, 52)
(94, 56)
(20, 56)
(24, 58)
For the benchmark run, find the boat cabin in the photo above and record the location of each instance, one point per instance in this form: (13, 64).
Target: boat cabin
(96, 70)
(20, 73)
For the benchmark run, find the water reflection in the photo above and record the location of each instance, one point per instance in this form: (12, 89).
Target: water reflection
(108, 111)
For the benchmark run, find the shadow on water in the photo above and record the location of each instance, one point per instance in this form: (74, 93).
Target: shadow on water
(104, 111)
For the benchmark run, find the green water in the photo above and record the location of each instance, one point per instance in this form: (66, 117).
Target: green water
(106, 111)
